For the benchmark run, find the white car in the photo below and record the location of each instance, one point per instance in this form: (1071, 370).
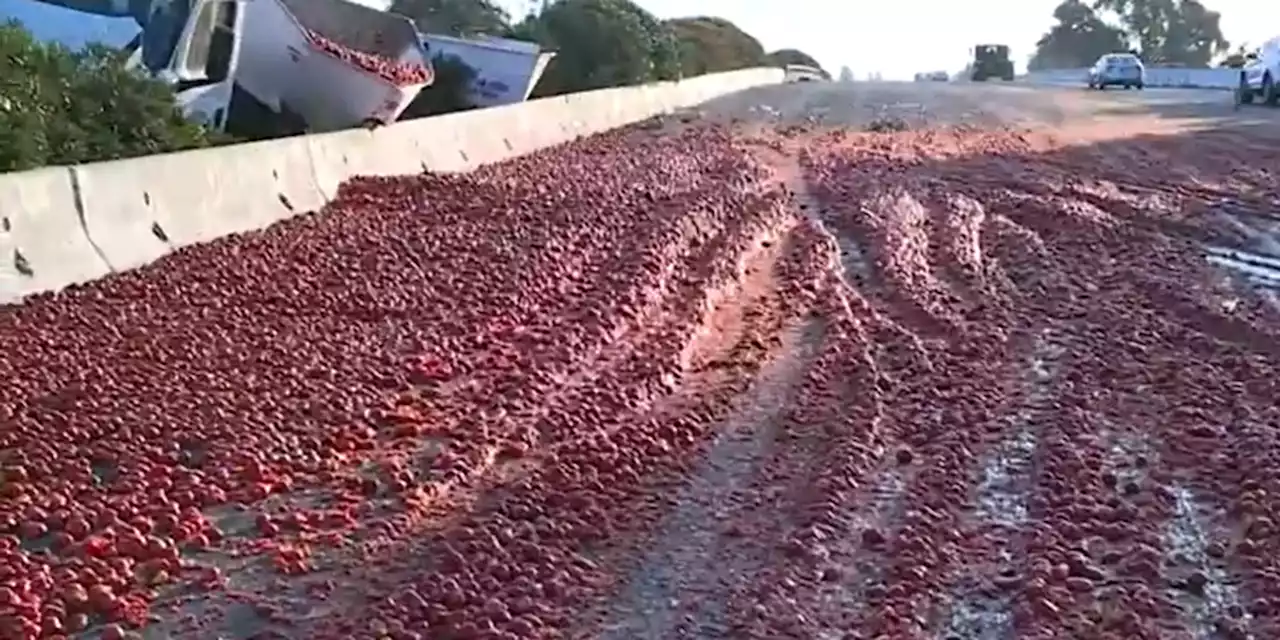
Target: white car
(802, 73)
(1118, 69)
(1260, 74)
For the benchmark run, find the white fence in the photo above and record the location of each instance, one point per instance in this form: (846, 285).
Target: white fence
(1168, 77)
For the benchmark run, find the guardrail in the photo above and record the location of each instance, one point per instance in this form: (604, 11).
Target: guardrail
(66, 225)
(1166, 77)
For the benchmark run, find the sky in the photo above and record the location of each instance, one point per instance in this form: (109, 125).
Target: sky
(896, 38)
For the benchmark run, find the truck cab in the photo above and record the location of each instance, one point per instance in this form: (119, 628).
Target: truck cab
(202, 64)
(191, 45)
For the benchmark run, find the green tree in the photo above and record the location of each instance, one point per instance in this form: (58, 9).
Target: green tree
(1194, 36)
(59, 106)
(1177, 32)
(784, 57)
(711, 45)
(600, 44)
(455, 17)
(1078, 39)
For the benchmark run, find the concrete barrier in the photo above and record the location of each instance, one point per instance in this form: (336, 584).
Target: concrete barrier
(1161, 77)
(67, 225)
(43, 244)
(138, 210)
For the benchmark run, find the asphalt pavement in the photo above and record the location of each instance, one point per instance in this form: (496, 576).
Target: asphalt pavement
(918, 104)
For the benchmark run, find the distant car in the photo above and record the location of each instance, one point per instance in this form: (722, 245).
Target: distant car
(1261, 73)
(932, 76)
(1118, 69)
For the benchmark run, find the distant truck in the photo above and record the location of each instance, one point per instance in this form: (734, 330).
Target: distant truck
(991, 61)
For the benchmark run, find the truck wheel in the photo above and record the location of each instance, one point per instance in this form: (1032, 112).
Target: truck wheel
(1244, 95)
(1269, 93)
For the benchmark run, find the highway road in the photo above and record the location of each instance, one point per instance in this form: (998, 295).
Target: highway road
(925, 104)
(837, 370)
(1166, 142)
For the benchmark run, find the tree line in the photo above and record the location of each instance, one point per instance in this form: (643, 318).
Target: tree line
(605, 43)
(59, 106)
(1162, 32)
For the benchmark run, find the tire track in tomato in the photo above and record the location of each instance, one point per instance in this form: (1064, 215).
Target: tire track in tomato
(695, 248)
(921, 242)
(790, 606)
(755, 516)
(856, 559)
(1167, 570)
(1195, 590)
(923, 552)
(460, 492)
(953, 222)
(845, 549)
(790, 162)
(945, 234)
(1199, 576)
(967, 257)
(1003, 260)
(612, 433)
(850, 554)
(1134, 577)
(591, 401)
(738, 317)
(940, 540)
(1207, 593)
(866, 286)
(980, 606)
(678, 589)
(801, 491)
(825, 568)
(439, 500)
(1069, 577)
(900, 231)
(1093, 569)
(782, 509)
(621, 430)
(1223, 528)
